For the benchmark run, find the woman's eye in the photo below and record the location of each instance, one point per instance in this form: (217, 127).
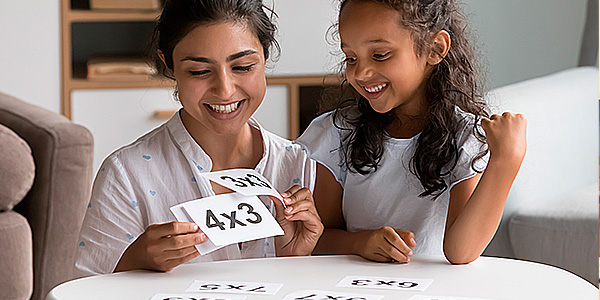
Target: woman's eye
(199, 73)
(380, 56)
(244, 68)
(350, 60)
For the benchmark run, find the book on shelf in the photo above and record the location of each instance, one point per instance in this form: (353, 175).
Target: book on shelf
(120, 68)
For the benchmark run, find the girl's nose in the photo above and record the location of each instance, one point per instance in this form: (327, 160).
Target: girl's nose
(363, 71)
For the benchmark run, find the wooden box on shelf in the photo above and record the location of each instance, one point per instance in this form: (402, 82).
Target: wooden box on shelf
(126, 4)
(119, 68)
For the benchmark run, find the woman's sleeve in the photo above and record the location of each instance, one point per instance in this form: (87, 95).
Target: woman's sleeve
(112, 222)
(322, 142)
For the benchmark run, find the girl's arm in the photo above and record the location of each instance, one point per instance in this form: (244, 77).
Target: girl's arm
(477, 204)
(384, 244)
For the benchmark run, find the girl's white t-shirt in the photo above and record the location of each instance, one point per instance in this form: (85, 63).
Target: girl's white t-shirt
(138, 183)
(390, 195)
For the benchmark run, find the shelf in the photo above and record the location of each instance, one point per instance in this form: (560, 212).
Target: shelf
(158, 82)
(86, 15)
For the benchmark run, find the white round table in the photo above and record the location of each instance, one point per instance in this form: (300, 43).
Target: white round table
(488, 278)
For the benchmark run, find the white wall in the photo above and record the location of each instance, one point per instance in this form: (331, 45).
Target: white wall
(30, 51)
(521, 39)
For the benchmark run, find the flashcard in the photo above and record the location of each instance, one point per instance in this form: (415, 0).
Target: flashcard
(327, 295)
(196, 296)
(244, 181)
(181, 216)
(398, 284)
(235, 287)
(423, 297)
(232, 218)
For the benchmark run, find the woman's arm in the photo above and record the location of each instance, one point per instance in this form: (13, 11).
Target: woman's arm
(384, 244)
(476, 205)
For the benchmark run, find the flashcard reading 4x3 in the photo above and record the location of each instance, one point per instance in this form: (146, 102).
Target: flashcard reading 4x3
(235, 217)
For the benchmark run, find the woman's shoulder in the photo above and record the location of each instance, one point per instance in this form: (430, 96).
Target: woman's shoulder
(141, 148)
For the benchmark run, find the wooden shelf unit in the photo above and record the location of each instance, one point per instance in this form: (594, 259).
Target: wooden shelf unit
(74, 73)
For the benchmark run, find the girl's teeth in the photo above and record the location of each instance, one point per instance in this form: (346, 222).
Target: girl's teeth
(375, 89)
(225, 109)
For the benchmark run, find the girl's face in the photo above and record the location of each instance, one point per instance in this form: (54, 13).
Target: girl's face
(381, 63)
(220, 73)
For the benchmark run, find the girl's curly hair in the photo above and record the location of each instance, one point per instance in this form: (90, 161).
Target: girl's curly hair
(455, 81)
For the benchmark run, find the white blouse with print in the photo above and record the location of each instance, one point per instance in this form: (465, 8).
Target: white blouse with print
(137, 184)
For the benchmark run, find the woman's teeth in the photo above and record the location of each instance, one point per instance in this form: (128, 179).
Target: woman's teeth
(376, 88)
(225, 109)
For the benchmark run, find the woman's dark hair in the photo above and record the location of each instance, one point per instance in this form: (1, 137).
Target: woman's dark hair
(455, 81)
(179, 17)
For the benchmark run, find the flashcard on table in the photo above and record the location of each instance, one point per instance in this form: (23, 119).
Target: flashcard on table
(232, 218)
(398, 284)
(235, 287)
(196, 296)
(244, 181)
(181, 216)
(324, 295)
(423, 297)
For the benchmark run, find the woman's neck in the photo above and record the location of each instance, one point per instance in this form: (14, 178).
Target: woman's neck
(241, 150)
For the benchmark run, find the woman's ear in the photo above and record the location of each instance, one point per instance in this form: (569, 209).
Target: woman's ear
(161, 55)
(440, 47)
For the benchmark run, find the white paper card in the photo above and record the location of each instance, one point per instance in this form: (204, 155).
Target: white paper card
(423, 297)
(181, 216)
(244, 181)
(232, 218)
(398, 284)
(235, 287)
(196, 296)
(324, 295)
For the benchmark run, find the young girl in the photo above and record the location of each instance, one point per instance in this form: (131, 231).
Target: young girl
(216, 52)
(403, 164)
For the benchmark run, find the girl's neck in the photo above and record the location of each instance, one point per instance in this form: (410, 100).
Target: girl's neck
(241, 150)
(411, 117)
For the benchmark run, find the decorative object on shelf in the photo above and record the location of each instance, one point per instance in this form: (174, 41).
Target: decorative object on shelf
(128, 4)
(119, 68)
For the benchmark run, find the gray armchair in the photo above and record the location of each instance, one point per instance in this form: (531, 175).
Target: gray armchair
(43, 197)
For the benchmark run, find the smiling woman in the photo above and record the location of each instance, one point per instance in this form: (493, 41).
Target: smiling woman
(216, 51)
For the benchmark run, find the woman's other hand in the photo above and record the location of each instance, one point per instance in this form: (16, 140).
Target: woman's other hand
(300, 222)
(162, 247)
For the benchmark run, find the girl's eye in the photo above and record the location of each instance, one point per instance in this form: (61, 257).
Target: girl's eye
(350, 60)
(244, 68)
(199, 73)
(380, 56)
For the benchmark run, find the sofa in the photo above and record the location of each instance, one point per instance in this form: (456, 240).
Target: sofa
(551, 215)
(46, 176)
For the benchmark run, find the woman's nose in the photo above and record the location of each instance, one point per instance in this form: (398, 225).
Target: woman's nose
(224, 86)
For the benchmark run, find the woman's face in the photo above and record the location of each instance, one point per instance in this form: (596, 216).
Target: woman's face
(220, 73)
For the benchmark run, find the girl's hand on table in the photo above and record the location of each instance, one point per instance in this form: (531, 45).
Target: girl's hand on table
(386, 244)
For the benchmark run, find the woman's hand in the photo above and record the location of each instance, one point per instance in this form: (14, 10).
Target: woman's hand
(386, 244)
(506, 136)
(300, 222)
(162, 247)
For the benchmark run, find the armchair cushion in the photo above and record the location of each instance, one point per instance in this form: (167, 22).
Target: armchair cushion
(17, 167)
